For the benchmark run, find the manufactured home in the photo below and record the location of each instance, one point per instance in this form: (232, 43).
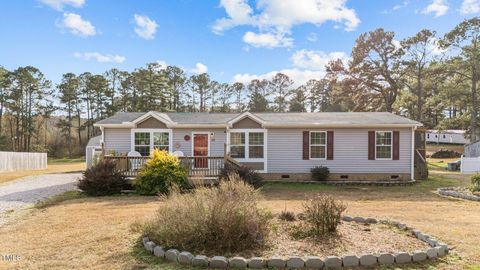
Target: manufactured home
(355, 146)
(450, 136)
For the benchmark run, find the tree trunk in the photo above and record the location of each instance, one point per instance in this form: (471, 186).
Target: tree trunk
(473, 118)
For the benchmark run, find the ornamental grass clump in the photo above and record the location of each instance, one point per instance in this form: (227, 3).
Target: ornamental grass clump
(213, 221)
(161, 173)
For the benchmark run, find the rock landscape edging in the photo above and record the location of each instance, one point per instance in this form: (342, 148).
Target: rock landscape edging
(437, 249)
(451, 192)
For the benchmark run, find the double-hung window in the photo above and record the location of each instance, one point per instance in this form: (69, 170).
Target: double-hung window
(247, 144)
(145, 141)
(318, 144)
(237, 145)
(383, 145)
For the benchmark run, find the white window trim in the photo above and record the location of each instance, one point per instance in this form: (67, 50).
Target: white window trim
(151, 131)
(247, 159)
(391, 144)
(310, 144)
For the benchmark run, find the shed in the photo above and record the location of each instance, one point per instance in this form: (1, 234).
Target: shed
(93, 150)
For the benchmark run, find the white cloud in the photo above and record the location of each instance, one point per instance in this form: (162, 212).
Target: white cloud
(470, 6)
(307, 65)
(145, 27)
(277, 17)
(315, 60)
(438, 7)
(298, 76)
(77, 25)
(199, 69)
(59, 4)
(162, 63)
(396, 7)
(102, 58)
(268, 40)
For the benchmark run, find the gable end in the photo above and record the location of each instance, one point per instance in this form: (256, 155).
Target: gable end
(151, 122)
(246, 122)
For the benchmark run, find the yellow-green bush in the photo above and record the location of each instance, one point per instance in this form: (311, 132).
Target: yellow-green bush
(161, 173)
(218, 220)
(475, 186)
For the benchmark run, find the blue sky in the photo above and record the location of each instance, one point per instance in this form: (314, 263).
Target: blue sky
(231, 39)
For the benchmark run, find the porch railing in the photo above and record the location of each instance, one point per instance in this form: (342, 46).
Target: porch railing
(197, 167)
(128, 166)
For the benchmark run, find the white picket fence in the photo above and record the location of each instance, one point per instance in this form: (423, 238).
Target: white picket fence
(19, 161)
(470, 165)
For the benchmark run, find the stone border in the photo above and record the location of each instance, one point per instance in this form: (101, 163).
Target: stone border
(437, 249)
(451, 192)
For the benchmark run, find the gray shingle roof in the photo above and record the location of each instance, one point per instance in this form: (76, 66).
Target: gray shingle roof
(94, 141)
(319, 118)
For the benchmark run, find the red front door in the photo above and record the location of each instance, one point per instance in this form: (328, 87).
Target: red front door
(200, 149)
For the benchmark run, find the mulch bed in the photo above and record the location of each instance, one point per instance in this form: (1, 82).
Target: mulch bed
(350, 238)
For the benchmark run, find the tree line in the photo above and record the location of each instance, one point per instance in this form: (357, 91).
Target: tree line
(429, 78)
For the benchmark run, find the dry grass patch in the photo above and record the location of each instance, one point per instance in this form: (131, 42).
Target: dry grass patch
(54, 166)
(95, 233)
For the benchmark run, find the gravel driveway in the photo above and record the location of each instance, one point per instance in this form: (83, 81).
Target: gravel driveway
(25, 192)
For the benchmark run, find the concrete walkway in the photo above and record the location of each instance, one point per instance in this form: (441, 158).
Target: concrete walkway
(25, 192)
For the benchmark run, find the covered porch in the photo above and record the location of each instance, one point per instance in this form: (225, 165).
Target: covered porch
(208, 167)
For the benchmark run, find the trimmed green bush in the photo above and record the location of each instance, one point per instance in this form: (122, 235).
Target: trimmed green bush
(217, 220)
(161, 173)
(102, 180)
(475, 186)
(320, 173)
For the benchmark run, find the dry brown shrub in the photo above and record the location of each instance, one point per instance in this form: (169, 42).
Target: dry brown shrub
(321, 215)
(221, 220)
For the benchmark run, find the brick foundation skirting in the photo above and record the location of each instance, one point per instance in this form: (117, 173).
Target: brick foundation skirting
(345, 177)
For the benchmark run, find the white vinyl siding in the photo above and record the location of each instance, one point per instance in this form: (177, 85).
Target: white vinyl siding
(350, 152)
(117, 140)
(217, 141)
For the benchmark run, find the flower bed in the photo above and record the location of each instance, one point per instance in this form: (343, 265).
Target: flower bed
(459, 192)
(435, 249)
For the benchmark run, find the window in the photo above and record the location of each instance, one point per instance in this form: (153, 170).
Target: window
(383, 145)
(142, 143)
(318, 144)
(255, 145)
(147, 140)
(161, 140)
(237, 145)
(247, 145)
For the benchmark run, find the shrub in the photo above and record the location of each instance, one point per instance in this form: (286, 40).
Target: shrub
(475, 186)
(322, 215)
(160, 174)
(287, 216)
(444, 153)
(246, 174)
(102, 179)
(216, 220)
(320, 173)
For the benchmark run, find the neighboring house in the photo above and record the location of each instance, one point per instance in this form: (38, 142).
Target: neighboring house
(449, 136)
(355, 146)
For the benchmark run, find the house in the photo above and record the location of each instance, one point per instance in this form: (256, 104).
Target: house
(355, 146)
(450, 136)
